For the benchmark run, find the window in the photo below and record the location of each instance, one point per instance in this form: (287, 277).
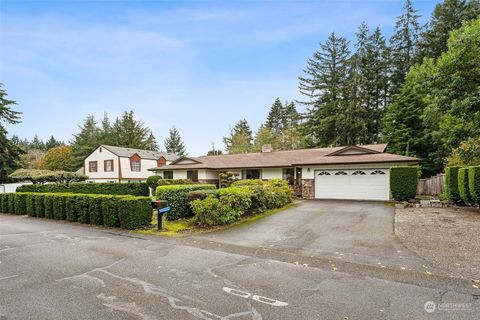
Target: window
(167, 174)
(108, 165)
(298, 180)
(252, 174)
(341, 173)
(289, 175)
(324, 173)
(100, 150)
(380, 172)
(92, 166)
(192, 175)
(358, 173)
(135, 165)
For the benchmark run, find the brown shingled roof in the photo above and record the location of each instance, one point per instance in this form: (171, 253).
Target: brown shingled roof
(315, 156)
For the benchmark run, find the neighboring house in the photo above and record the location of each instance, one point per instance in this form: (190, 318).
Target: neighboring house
(354, 172)
(117, 164)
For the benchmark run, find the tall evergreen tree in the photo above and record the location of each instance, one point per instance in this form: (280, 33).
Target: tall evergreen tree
(173, 143)
(131, 133)
(447, 16)
(9, 152)
(275, 116)
(404, 45)
(106, 134)
(240, 139)
(290, 116)
(85, 141)
(323, 85)
(53, 143)
(37, 143)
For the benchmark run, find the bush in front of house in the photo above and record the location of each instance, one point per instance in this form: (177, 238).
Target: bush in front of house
(152, 181)
(3, 202)
(238, 198)
(404, 182)
(11, 203)
(134, 213)
(451, 184)
(58, 204)
(48, 205)
(110, 212)
(95, 210)
(39, 205)
(176, 196)
(463, 188)
(30, 204)
(20, 204)
(134, 189)
(71, 213)
(170, 182)
(474, 183)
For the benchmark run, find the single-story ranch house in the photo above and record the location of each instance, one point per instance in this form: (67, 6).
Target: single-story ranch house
(117, 164)
(354, 172)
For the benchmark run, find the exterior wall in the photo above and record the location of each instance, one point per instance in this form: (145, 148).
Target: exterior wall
(272, 173)
(180, 174)
(143, 174)
(101, 175)
(308, 188)
(308, 172)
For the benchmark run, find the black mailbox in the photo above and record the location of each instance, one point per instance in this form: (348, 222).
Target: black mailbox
(162, 208)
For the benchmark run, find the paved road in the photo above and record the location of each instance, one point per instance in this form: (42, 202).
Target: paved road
(55, 270)
(356, 231)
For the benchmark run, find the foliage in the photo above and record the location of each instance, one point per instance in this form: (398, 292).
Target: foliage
(240, 139)
(71, 208)
(463, 185)
(39, 205)
(451, 184)
(467, 154)
(58, 158)
(175, 195)
(20, 204)
(47, 205)
(41, 176)
(168, 182)
(95, 210)
(211, 212)
(227, 178)
(201, 194)
(134, 189)
(239, 198)
(30, 204)
(59, 207)
(474, 183)
(173, 143)
(134, 212)
(404, 182)
(110, 212)
(152, 181)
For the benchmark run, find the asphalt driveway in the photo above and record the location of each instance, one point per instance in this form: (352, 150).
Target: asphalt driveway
(356, 231)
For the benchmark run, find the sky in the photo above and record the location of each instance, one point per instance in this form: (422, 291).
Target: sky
(198, 65)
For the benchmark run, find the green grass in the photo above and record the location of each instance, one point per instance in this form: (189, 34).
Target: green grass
(187, 226)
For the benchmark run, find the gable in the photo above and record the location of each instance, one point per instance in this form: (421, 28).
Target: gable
(185, 160)
(352, 150)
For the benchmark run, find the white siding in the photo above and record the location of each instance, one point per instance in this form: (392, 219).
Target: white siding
(101, 175)
(272, 173)
(146, 164)
(308, 171)
(180, 174)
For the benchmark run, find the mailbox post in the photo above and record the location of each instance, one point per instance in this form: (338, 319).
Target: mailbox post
(162, 208)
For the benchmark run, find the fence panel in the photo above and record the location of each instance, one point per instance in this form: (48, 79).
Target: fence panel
(432, 186)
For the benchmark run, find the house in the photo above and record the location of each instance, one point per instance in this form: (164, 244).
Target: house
(352, 172)
(117, 164)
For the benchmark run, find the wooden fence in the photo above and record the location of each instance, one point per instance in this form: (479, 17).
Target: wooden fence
(432, 186)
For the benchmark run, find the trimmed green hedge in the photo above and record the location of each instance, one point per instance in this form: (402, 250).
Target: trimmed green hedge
(171, 182)
(451, 184)
(133, 189)
(176, 196)
(463, 188)
(124, 211)
(474, 183)
(404, 182)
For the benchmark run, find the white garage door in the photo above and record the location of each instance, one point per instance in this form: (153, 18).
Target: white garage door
(357, 184)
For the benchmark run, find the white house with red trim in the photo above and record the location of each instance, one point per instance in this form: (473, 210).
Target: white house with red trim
(117, 164)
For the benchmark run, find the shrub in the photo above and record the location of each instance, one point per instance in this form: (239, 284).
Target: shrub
(71, 208)
(404, 182)
(134, 212)
(20, 203)
(95, 209)
(48, 205)
(11, 203)
(39, 205)
(247, 182)
(212, 211)
(134, 189)
(463, 182)
(30, 204)
(169, 182)
(451, 184)
(277, 193)
(152, 181)
(3, 203)
(176, 196)
(110, 212)
(59, 207)
(41, 176)
(239, 198)
(474, 183)
(82, 209)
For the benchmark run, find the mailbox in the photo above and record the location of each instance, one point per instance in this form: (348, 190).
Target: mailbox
(162, 208)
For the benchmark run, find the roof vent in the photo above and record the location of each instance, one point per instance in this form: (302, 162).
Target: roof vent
(267, 148)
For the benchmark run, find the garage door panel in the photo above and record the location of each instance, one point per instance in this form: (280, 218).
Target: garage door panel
(372, 184)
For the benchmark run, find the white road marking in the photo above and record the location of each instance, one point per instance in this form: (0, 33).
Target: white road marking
(9, 277)
(237, 293)
(246, 295)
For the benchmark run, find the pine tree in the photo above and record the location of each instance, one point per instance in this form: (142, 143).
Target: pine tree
(404, 45)
(130, 133)
(173, 143)
(290, 116)
(85, 141)
(240, 139)
(106, 136)
(37, 144)
(447, 16)
(53, 143)
(275, 116)
(324, 85)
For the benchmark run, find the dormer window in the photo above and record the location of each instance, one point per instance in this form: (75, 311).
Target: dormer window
(136, 165)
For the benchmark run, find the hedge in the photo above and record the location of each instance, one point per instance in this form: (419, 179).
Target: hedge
(176, 196)
(170, 182)
(451, 184)
(463, 182)
(134, 189)
(404, 182)
(124, 211)
(474, 183)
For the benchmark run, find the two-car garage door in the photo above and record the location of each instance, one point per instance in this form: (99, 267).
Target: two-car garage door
(357, 184)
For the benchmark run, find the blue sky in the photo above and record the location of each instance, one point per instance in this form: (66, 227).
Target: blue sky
(198, 65)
